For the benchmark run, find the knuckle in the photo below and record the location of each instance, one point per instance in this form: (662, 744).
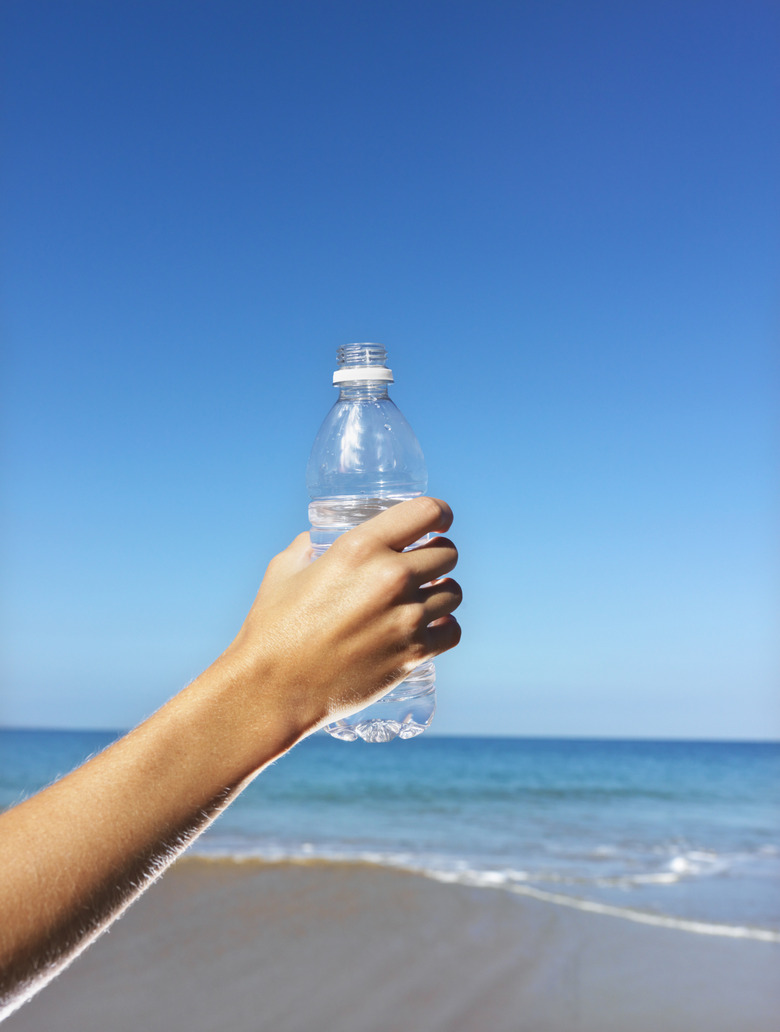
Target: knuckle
(432, 508)
(394, 577)
(408, 625)
(418, 646)
(415, 617)
(355, 547)
(419, 653)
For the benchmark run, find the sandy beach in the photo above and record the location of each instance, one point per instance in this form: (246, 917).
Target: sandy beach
(355, 948)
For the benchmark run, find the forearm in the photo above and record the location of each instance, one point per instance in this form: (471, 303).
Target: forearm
(93, 841)
(320, 641)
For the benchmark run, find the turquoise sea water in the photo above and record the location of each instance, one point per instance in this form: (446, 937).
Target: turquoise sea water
(672, 832)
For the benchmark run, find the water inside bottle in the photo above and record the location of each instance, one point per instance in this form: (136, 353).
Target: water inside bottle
(332, 517)
(408, 709)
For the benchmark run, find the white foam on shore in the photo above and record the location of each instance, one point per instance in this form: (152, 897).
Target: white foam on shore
(626, 913)
(514, 881)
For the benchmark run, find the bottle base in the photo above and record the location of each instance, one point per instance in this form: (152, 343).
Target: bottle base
(376, 730)
(404, 712)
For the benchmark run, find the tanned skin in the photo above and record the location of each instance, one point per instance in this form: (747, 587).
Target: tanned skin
(321, 641)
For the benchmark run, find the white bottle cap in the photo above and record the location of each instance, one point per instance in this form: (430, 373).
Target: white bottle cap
(366, 372)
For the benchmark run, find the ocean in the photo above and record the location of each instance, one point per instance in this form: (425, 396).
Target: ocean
(678, 833)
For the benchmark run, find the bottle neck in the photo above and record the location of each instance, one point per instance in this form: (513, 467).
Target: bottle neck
(363, 390)
(362, 372)
(361, 355)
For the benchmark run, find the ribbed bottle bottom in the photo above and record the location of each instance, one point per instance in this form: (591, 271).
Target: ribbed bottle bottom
(404, 712)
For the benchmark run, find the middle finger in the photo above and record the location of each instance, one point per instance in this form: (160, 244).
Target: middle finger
(434, 559)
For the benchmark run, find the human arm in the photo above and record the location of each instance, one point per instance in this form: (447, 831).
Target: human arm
(321, 640)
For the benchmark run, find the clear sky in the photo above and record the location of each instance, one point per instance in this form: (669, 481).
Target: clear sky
(561, 218)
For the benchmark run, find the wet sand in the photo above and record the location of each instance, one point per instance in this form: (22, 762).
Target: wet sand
(240, 947)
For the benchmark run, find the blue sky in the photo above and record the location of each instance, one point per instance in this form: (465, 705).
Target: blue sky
(562, 221)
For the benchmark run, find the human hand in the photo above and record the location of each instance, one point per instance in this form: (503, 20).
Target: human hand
(324, 639)
(321, 641)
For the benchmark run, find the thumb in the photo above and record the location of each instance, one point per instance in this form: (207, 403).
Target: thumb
(297, 555)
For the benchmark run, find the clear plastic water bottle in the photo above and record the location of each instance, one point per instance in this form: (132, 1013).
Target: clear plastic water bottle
(366, 458)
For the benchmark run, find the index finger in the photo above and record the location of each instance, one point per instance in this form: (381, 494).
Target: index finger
(403, 524)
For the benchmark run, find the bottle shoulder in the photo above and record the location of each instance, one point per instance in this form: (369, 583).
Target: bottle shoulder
(365, 447)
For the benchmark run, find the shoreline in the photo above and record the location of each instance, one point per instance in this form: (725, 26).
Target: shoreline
(315, 945)
(485, 880)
